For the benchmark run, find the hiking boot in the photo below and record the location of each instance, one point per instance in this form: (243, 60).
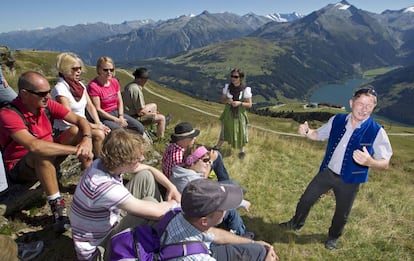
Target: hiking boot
(60, 217)
(28, 251)
(331, 243)
(289, 225)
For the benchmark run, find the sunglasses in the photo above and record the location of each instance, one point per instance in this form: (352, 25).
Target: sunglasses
(108, 69)
(235, 76)
(77, 68)
(365, 91)
(40, 94)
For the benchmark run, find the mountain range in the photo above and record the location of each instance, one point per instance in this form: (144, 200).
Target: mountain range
(139, 39)
(284, 56)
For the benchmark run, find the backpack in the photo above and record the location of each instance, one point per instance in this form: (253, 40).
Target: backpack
(143, 243)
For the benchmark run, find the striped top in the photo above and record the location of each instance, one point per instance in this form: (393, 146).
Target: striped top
(94, 210)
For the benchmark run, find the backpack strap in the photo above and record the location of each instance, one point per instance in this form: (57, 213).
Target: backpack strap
(165, 220)
(179, 249)
(182, 249)
(14, 108)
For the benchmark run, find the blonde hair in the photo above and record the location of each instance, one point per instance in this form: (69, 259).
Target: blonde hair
(102, 60)
(65, 62)
(121, 147)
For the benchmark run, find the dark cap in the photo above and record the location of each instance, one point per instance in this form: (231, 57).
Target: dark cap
(202, 197)
(184, 130)
(141, 73)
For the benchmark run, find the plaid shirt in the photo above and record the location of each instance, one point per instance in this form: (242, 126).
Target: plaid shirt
(173, 156)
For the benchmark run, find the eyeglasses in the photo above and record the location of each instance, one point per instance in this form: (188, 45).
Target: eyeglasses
(40, 94)
(108, 69)
(77, 68)
(235, 76)
(365, 91)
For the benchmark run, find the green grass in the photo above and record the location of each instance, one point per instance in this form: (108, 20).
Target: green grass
(276, 170)
(370, 74)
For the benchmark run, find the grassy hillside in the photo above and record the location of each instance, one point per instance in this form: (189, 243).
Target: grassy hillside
(275, 172)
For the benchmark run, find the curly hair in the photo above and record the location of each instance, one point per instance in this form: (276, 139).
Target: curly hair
(121, 147)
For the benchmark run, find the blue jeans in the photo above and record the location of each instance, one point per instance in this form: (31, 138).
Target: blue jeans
(345, 194)
(233, 221)
(219, 168)
(7, 94)
(133, 123)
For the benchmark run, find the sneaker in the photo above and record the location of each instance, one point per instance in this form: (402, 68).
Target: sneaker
(242, 154)
(28, 251)
(60, 217)
(289, 225)
(249, 235)
(331, 243)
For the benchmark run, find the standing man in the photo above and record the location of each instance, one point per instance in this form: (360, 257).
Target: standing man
(355, 143)
(204, 203)
(27, 143)
(134, 103)
(7, 94)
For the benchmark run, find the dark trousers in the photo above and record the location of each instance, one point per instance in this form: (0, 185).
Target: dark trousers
(219, 168)
(345, 194)
(133, 124)
(247, 252)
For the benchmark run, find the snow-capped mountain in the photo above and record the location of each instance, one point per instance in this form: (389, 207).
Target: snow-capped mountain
(282, 18)
(409, 9)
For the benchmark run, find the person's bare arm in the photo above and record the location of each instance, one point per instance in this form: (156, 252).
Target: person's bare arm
(84, 148)
(222, 237)
(147, 209)
(308, 132)
(64, 101)
(41, 147)
(97, 103)
(224, 99)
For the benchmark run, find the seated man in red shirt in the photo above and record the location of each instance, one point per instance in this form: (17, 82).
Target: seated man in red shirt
(27, 143)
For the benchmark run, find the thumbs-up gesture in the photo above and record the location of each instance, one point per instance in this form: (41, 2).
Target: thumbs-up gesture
(303, 128)
(362, 157)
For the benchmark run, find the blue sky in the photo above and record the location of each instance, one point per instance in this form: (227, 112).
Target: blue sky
(35, 14)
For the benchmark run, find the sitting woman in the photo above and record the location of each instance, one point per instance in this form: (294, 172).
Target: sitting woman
(71, 93)
(195, 163)
(105, 93)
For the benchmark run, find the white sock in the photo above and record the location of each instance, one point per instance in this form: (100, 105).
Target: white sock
(54, 196)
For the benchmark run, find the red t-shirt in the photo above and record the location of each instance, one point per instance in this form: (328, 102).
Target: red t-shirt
(40, 127)
(107, 94)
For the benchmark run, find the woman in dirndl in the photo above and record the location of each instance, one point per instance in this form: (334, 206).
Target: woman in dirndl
(237, 98)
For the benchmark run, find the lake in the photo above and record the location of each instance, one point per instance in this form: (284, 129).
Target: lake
(337, 93)
(340, 94)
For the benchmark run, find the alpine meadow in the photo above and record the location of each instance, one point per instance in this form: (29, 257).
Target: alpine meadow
(286, 61)
(278, 165)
